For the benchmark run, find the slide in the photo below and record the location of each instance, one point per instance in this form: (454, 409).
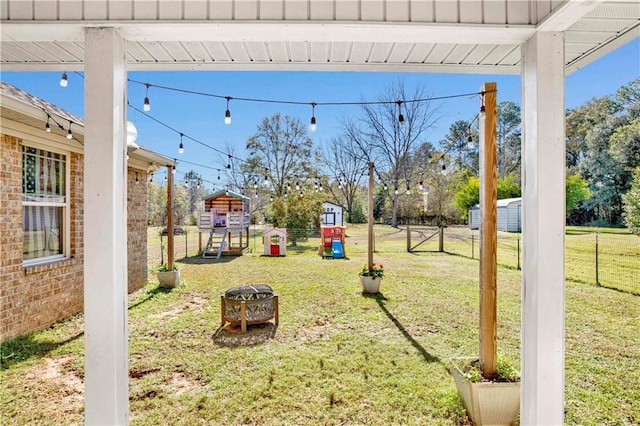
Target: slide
(336, 250)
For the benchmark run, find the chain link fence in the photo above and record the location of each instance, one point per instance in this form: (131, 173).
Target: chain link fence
(607, 260)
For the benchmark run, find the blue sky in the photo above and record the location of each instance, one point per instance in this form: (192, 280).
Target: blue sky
(203, 117)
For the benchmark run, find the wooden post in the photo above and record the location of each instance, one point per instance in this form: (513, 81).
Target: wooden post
(223, 307)
(441, 239)
(170, 218)
(488, 232)
(276, 309)
(199, 242)
(243, 316)
(370, 241)
(408, 238)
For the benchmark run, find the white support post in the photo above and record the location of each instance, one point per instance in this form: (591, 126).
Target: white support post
(105, 227)
(543, 219)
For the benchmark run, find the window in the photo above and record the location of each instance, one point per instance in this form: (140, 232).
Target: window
(44, 205)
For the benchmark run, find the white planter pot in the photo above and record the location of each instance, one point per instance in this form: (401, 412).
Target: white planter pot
(169, 279)
(488, 403)
(370, 284)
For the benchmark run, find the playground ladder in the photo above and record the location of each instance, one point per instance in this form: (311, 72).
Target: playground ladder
(215, 244)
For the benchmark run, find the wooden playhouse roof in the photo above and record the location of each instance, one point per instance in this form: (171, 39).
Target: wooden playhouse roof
(226, 193)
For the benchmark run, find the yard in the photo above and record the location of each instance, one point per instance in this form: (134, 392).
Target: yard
(337, 357)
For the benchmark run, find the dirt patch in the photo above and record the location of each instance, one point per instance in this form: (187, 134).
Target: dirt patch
(136, 373)
(180, 384)
(192, 303)
(58, 370)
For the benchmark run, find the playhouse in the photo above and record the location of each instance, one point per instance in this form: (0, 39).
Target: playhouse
(331, 214)
(275, 241)
(332, 245)
(226, 218)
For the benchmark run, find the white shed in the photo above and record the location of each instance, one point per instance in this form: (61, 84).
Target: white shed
(331, 214)
(509, 215)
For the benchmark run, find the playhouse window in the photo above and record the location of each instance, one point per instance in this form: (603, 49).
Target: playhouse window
(44, 205)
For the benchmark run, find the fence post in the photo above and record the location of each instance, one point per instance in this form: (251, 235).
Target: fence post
(473, 246)
(597, 264)
(186, 245)
(441, 240)
(518, 253)
(161, 250)
(408, 238)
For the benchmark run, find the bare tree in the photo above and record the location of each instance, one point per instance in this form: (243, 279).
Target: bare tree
(389, 131)
(344, 161)
(280, 152)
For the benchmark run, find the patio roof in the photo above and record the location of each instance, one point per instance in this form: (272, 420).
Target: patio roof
(462, 36)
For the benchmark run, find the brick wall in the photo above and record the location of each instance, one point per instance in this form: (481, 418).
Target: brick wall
(37, 296)
(137, 219)
(32, 298)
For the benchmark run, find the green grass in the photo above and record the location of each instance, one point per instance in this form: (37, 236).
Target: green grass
(337, 357)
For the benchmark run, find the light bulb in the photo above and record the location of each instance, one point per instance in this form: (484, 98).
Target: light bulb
(227, 117)
(63, 80)
(173, 170)
(46, 126)
(181, 148)
(313, 126)
(69, 134)
(401, 120)
(146, 107)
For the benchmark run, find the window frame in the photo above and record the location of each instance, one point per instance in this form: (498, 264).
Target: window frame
(66, 205)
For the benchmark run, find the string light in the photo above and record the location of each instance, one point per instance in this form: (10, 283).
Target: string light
(181, 146)
(229, 162)
(289, 102)
(64, 81)
(146, 106)
(408, 188)
(173, 169)
(395, 191)
(421, 185)
(227, 113)
(312, 126)
(137, 180)
(47, 127)
(400, 116)
(69, 133)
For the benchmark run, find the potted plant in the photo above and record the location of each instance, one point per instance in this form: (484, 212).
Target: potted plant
(371, 278)
(493, 401)
(168, 277)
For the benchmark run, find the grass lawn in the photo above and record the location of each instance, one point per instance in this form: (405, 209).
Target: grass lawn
(337, 357)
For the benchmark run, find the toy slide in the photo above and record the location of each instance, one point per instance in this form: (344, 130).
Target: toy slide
(336, 249)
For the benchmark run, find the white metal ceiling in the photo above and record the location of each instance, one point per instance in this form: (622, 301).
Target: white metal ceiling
(242, 46)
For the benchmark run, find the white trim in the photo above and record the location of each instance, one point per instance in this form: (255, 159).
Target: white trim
(567, 14)
(274, 66)
(305, 31)
(50, 141)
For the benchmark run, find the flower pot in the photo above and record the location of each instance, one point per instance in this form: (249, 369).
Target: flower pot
(488, 403)
(169, 279)
(370, 284)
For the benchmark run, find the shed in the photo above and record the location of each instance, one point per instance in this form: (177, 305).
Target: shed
(275, 241)
(331, 214)
(509, 215)
(226, 218)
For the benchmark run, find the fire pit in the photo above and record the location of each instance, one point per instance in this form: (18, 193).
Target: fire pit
(249, 304)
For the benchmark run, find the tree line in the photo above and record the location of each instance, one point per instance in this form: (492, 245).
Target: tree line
(418, 180)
